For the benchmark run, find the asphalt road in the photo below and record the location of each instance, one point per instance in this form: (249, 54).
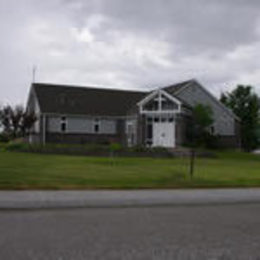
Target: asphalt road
(174, 232)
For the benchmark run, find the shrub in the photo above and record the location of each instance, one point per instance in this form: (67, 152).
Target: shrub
(211, 141)
(138, 149)
(158, 149)
(4, 138)
(17, 146)
(115, 147)
(3, 146)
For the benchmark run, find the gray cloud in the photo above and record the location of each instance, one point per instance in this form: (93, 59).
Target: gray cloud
(191, 24)
(128, 44)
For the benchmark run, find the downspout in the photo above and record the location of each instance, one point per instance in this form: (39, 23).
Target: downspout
(44, 129)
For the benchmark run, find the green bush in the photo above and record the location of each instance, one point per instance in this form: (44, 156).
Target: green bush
(158, 149)
(3, 146)
(138, 149)
(17, 147)
(4, 138)
(70, 148)
(115, 147)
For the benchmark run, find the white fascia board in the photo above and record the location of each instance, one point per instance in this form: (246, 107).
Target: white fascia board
(151, 95)
(148, 98)
(160, 112)
(163, 93)
(172, 98)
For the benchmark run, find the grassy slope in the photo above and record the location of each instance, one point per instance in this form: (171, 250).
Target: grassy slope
(36, 171)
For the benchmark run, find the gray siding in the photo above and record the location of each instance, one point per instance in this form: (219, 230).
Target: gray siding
(81, 125)
(108, 126)
(53, 125)
(224, 122)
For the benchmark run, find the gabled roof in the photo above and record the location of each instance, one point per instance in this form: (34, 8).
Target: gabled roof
(62, 99)
(179, 87)
(175, 88)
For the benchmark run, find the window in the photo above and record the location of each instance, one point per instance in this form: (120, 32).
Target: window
(152, 105)
(212, 130)
(63, 124)
(163, 119)
(63, 127)
(160, 101)
(96, 126)
(168, 104)
(150, 131)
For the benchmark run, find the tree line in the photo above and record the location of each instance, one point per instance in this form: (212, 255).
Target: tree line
(15, 122)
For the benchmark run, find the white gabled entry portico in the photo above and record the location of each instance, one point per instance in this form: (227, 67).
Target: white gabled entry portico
(160, 109)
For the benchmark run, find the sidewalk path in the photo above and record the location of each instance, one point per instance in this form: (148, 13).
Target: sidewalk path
(125, 198)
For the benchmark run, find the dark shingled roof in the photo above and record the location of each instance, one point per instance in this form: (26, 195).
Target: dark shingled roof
(172, 89)
(62, 99)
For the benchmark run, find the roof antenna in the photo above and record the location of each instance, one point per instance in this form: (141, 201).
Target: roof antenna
(34, 73)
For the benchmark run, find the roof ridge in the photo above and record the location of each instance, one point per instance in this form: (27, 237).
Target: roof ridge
(89, 87)
(180, 83)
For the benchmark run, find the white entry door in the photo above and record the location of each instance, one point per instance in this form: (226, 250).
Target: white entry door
(164, 134)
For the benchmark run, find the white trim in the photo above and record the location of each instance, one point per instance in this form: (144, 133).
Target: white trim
(160, 93)
(130, 135)
(165, 112)
(148, 98)
(174, 99)
(154, 93)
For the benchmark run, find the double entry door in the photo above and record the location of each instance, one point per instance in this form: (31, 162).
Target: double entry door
(163, 134)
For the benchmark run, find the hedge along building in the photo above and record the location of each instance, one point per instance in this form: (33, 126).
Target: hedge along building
(70, 114)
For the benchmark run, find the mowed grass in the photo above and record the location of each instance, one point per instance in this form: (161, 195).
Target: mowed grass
(40, 171)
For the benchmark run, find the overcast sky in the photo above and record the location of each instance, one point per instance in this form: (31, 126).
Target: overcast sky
(133, 44)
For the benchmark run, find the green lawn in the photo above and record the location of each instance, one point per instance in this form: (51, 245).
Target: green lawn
(39, 171)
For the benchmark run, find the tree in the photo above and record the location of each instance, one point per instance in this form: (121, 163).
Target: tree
(244, 103)
(16, 121)
(16, 116)
(202, 119)
(28, 119)
(5, 114)
(258, 125)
